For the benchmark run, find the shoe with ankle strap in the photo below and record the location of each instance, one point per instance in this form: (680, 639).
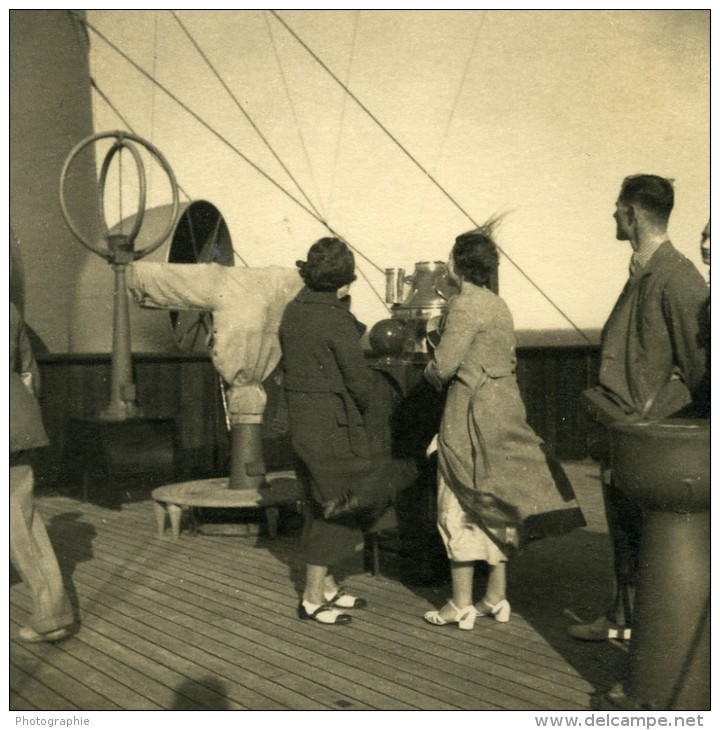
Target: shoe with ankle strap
(500, 611)
(323, 614)
(463, 617)
(341, 599)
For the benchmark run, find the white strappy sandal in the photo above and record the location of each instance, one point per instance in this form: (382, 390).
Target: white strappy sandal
(464, 618)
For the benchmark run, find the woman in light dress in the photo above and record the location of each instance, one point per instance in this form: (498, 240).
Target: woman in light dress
(496, 489)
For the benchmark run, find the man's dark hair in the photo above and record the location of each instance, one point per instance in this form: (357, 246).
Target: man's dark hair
(475, 255)
(330, 264)
(650, 192)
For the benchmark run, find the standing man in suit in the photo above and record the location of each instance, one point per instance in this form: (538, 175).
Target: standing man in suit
(652, 359)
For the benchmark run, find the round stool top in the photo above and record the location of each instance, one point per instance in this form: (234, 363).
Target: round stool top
(280, 487)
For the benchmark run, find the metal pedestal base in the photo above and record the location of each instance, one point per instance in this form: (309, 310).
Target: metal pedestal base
(670, 647)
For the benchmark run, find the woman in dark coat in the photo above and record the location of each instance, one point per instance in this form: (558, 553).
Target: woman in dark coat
(328, 388)
(495, 486)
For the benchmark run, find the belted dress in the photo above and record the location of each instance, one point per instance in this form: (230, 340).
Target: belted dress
(328, 388)
(498, 485)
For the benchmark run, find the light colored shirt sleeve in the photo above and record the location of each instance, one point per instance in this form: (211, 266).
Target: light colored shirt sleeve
(174, 286)
(246, 306)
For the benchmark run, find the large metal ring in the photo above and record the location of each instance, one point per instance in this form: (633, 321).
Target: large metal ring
(120, 138)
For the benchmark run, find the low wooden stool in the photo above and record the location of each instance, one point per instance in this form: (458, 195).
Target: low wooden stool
(171, 500)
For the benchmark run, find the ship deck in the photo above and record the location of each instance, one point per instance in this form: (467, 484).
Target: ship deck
(208, 622)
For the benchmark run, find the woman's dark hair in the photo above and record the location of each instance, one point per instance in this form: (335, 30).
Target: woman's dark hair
(475, 254)
(330, 264)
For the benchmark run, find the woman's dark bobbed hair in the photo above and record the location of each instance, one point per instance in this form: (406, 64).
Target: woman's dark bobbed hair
(330, 264)
(475, 254)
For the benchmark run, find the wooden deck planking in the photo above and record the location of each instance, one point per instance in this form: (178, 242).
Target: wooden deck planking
(209, 622)
(57, 669)
(494, 682)
(339, 653)
(23, 686)
(213, 645)
(219, 642)
(121, 666)
(175, 681)
(411, 616)
(278, 646)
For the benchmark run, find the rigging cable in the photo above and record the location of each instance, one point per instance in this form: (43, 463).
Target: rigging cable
(308, 162)
(205, 58)
(451, 116)
(127, 124)
(104, 97)
(243, 156)
(198, 118)
(252, 123)
(343, 106)
(152, 88)
(298, 126)
(421, 168)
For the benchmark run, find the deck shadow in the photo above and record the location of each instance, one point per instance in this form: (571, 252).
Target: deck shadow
(72, 539)
(208, 693)
(559, 581)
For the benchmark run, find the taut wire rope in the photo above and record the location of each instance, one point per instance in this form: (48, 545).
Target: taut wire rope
(243, 156)
(199, 119)
(451, 116)
(336, 156)
(153, 89)
(291, 104)
(313, 176)
(417, 163)
(242, 109)
(127, 124)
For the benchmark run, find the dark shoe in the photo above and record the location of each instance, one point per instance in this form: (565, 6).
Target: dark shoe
(601, 629)
(30, 636)
(345, 600)
(324, 614)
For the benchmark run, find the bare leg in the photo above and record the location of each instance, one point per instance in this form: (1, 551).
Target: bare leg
(330, 585)
(315, 583)
(495, 591)
(462, 584)
(346, 600)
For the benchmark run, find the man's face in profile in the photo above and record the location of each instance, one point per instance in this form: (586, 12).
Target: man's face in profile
(622, 221)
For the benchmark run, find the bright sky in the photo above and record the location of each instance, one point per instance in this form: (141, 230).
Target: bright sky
(539, 113)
